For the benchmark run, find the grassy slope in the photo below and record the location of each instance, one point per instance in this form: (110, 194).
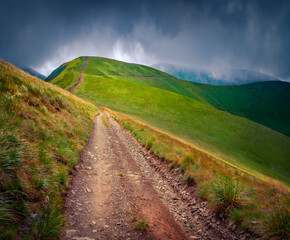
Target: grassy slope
(250, 146)
(265, 103)
(40, 142)
(67, 73)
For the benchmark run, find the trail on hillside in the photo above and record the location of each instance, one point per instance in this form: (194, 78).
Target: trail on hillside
(81, 77)
(118, 183)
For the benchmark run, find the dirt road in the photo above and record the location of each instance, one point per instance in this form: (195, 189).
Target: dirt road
(81, 77)
(118, 183)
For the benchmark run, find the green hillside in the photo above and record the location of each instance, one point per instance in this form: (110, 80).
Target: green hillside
(127, 88)
(265, 102)
(40, 142)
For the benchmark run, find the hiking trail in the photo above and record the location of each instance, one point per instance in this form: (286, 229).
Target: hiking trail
(118, 183)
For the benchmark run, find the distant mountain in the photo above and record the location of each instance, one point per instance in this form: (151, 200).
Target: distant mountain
(56, 72)
(231, 76)
(33, 72)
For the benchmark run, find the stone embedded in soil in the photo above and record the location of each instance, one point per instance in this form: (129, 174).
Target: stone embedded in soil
(70, 233)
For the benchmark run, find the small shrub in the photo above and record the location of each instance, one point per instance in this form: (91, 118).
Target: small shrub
(142, 225)
(121, 174)
(226, 194)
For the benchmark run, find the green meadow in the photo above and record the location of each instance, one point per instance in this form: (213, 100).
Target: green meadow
(186, 110)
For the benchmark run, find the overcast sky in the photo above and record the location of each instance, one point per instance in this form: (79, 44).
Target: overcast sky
(202, 34)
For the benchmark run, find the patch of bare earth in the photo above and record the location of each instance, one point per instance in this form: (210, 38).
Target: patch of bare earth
(118, 181)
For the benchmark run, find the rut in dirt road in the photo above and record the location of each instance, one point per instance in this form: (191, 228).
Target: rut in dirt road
(81, 77)
(118, 183)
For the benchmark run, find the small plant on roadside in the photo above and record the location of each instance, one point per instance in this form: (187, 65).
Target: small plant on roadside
(121, 174)
(226, 194)
(51, 225)
(277, 223)
(142, 225)
(133, 219)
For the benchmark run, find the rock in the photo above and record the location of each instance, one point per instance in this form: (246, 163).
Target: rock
(106, 226)
(93, 223)
(73, 192)
(88, 190)
(193, 237)
(70, 233)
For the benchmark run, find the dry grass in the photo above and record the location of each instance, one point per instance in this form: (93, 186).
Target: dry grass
(40, 142)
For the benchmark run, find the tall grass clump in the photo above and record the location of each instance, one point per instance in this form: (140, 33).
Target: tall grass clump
(226, 194)
(277, 223)
(52, 224)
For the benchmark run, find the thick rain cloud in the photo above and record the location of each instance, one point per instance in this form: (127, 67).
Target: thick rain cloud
(209, 35)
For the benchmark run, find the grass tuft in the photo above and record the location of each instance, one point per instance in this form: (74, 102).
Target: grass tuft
(141, 225)
(52, 224)
(277, 223)
(133, 219)
(226, 194)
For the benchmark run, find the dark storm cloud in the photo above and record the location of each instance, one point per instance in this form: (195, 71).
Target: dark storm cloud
(206, 34)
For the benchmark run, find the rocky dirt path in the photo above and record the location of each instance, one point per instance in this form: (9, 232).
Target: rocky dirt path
(118, 183)
(81, 77)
